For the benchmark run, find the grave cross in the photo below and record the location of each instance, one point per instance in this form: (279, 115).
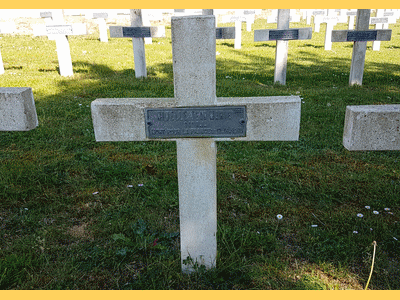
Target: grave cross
(195, 118)
(238, 27)
(57, 30)
(137, 32)
(360, 36)
(282, 35)
(101, 20)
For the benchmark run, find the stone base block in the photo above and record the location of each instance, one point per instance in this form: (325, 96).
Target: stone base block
(17, 109)
(372, 127)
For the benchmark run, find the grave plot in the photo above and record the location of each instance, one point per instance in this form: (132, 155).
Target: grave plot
(360, 36)
(137, 32)
(282, 35)
(195, 118)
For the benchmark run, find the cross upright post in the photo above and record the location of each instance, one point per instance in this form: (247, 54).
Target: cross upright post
(195, 118)
(282, 35)
(360, 36)
(137, 32)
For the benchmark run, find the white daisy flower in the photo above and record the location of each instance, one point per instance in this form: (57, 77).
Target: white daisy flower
(279, 217)
(360, 215)
(376, 212)
(367, 207)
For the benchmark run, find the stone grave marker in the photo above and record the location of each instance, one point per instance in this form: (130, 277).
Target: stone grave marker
(381, 21)
(195, 119)
(137, 32)
(101, 20)
(282, 35)
(351, 14)
(372, 127)
(17, 109)
(317, 18)
(359, 37)
(237, 19)
(331, 20)
(57, 30)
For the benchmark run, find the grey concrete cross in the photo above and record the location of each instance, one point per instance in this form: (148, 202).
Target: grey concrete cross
(137, 32)
(360, 36)
(282, 35)
(195, 118)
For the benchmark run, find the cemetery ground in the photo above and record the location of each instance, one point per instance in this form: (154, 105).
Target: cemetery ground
(79, 214)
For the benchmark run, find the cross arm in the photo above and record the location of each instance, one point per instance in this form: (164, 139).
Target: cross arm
(283, 34)
(137, 32)
(268, 118)
(361, 35)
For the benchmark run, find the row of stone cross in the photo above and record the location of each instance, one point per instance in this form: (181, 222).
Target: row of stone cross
(360, 36)
(195, 118)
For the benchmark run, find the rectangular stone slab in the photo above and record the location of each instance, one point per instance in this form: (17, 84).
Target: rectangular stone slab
(287, 34)
(17, 109)
(225, 33)
(268, 118)
(137, 32)
(372, 127)
(364, 35)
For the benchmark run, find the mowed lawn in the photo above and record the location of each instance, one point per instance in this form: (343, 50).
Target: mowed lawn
(81, 214)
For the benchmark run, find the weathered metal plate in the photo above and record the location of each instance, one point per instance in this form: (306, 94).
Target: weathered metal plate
(136, 32)
(59, 29)
(224, 33)
(287, 34)
(191, 122)
(361, 36)
(376, 20)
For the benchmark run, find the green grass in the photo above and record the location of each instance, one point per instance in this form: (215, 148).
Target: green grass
(70, 221)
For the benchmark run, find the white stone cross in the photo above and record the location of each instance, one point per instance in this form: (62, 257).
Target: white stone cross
(331, 20)
(195, 118)
(101, 20)
(282, 35)
(58, 31)
(238, 19)
(17, 109)
(360, 36)
(317, 18)
(137, 32)
(351, 14)
(381, 21)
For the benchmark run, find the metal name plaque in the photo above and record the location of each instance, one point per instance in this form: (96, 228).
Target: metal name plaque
(136, 32)
(361, 36)
(192, 122)
(59, 29)
(224, 33)
(291, 34)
